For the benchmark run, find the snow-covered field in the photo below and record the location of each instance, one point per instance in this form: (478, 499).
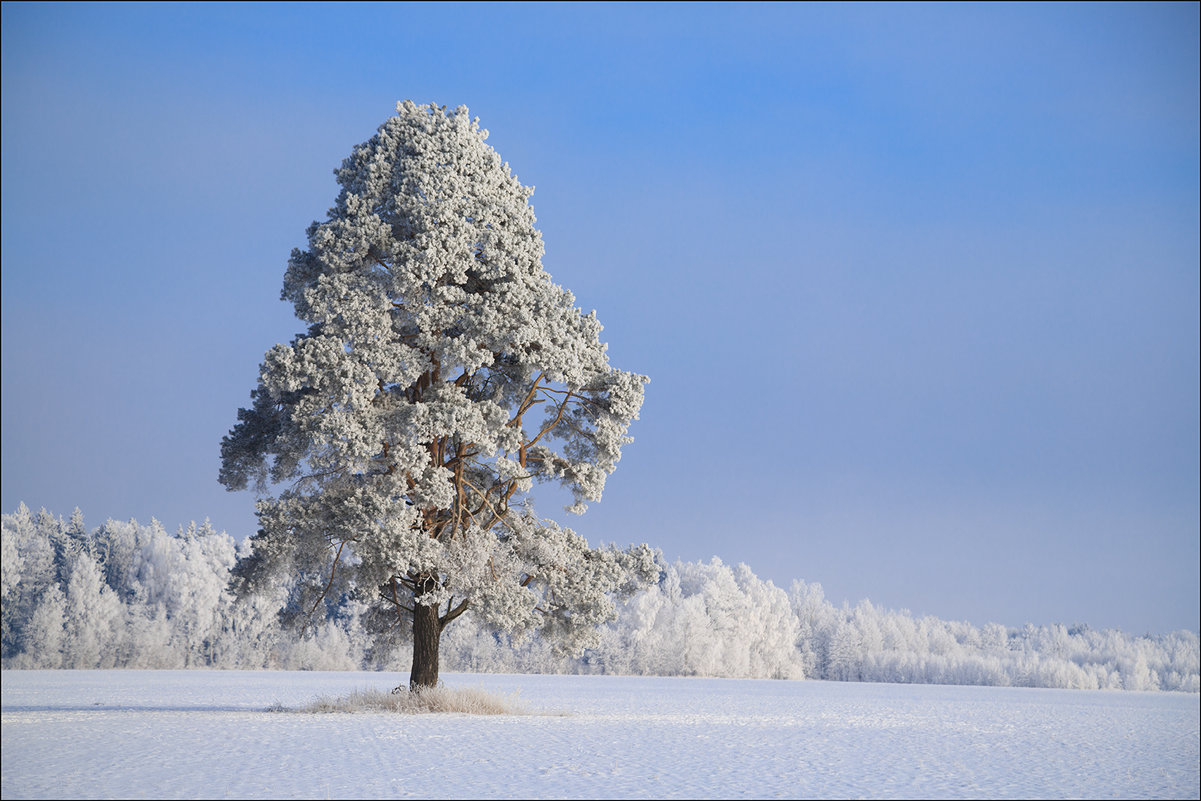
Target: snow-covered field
(187, 734)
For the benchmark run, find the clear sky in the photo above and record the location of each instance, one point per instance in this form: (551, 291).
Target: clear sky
(916, 286)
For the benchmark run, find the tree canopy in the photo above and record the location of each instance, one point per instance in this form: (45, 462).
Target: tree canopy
(442, 374)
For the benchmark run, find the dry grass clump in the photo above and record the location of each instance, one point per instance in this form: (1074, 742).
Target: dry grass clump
(457, 700)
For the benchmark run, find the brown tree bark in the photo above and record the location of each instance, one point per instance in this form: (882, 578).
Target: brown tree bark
(427, 632)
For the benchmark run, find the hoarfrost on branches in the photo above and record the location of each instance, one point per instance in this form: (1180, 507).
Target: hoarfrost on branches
(699, 619)
(443, 372)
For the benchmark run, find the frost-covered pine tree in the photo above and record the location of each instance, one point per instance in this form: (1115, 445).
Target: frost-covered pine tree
(442, 373)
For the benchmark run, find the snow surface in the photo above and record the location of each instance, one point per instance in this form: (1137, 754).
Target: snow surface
(188, 734)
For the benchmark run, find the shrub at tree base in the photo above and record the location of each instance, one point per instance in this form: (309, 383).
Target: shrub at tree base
(454, 700)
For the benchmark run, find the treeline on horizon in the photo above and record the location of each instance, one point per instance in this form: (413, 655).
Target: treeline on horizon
(127, 595)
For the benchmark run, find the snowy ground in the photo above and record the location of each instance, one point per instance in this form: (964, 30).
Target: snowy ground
(166, 734)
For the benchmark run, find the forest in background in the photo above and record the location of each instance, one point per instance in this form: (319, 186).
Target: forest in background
(129, 595)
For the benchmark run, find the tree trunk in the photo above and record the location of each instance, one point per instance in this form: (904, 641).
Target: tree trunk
(427, 631)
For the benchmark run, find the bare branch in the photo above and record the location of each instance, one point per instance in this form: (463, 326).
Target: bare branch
(549, 426)
(497, 516)
(330, 583)
(451, 614)
(526, 402)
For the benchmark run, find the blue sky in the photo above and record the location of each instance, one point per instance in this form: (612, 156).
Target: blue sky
(916, 286)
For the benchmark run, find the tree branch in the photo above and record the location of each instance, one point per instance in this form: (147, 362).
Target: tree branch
(330, 583)
(526, 402)
(498, 517)
(451, 614)
(552, 424)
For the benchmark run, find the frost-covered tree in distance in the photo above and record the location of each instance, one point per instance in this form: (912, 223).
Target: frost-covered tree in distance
(442, 373)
